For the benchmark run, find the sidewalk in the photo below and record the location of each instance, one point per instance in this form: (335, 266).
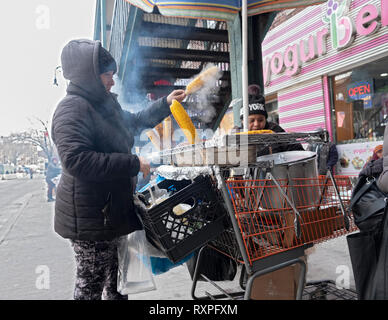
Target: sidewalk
(326, 261)
(32, 250)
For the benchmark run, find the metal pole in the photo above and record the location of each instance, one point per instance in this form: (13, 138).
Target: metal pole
(346, 218)
(245, 62)
(103, 22)
(236, 228)
(297, 214)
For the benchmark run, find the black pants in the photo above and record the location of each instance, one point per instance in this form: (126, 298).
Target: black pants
(97, 267)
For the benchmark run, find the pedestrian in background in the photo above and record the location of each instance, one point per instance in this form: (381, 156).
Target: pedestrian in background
(332, 157)
(52, 171)
(327, 155)
(377, 153)
(94, 137)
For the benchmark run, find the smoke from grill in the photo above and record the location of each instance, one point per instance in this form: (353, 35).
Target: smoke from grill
(202, 101)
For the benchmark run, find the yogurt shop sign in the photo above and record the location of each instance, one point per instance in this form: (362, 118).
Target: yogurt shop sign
(342, 30)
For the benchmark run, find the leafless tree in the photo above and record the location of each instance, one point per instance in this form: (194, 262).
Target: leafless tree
(38, 137)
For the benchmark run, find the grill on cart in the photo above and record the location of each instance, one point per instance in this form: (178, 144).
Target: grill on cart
(262, 214)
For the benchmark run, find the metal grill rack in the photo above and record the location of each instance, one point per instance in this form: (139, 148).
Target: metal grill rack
(248, 144)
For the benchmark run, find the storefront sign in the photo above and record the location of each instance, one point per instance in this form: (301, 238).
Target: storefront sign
(342, 30)
(352, 157)
(361, 90)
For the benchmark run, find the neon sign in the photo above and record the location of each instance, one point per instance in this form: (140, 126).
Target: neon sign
(361, 90)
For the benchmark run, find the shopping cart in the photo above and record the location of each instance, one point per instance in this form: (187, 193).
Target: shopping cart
(273, 222)
(270, 221)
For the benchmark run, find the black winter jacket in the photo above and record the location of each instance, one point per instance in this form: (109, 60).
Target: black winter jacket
(373, 168)
(94, 138)
(382, 183)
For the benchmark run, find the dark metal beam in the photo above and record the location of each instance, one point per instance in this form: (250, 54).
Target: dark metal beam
(162, 89)
(180, 73)
(183, 54)
(150, 29)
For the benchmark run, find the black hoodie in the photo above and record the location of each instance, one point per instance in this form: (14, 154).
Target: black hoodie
(94, 138)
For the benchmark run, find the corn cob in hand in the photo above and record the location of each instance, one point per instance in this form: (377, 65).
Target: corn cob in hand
(183, 120)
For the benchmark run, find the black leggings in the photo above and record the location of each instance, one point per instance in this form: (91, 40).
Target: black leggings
(97, 267)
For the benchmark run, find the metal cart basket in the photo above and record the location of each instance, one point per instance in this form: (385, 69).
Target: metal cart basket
(267, 232)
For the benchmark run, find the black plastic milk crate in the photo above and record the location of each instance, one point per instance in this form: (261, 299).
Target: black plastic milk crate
(180, 235)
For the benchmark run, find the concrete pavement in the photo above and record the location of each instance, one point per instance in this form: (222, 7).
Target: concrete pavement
(38, 264)
(32, 253)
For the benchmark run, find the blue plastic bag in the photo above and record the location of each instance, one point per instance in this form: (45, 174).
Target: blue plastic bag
(154, 182)
(162, 265)
(157, 261)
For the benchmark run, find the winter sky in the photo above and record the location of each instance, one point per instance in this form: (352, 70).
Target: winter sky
(33, 33)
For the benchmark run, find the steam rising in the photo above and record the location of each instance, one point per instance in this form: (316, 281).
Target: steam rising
(202, 101)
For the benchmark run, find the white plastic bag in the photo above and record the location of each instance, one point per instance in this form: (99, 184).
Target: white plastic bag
(134, 266)
(152, 251)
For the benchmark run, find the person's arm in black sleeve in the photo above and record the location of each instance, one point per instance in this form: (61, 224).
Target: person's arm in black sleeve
(73, 134)
(152, 115)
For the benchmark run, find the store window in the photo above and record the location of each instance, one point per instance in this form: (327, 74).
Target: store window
(272, 110)
(361, 102)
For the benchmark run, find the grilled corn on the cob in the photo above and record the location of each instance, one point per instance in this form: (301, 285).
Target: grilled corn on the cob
(154, 138)
(256, 132)
(159, 130)
(167, 133)
(183, 120)
(201, 79)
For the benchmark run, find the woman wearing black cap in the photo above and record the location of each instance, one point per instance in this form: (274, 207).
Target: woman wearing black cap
(94, 137)
(257, 120)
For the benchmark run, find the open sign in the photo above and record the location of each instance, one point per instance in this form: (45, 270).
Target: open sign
(361, 90)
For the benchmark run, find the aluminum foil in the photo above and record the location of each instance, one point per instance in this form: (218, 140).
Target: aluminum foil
(217, 173)
(183, 173)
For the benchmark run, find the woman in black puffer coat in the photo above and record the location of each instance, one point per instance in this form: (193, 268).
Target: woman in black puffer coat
(94, 138)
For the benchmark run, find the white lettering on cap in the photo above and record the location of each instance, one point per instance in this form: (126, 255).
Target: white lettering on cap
(253, 106)
(257, 107)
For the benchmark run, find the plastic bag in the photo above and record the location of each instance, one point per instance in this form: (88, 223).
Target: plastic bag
(214, 265)
(153, 250)
(161, 265)
(134, 268)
